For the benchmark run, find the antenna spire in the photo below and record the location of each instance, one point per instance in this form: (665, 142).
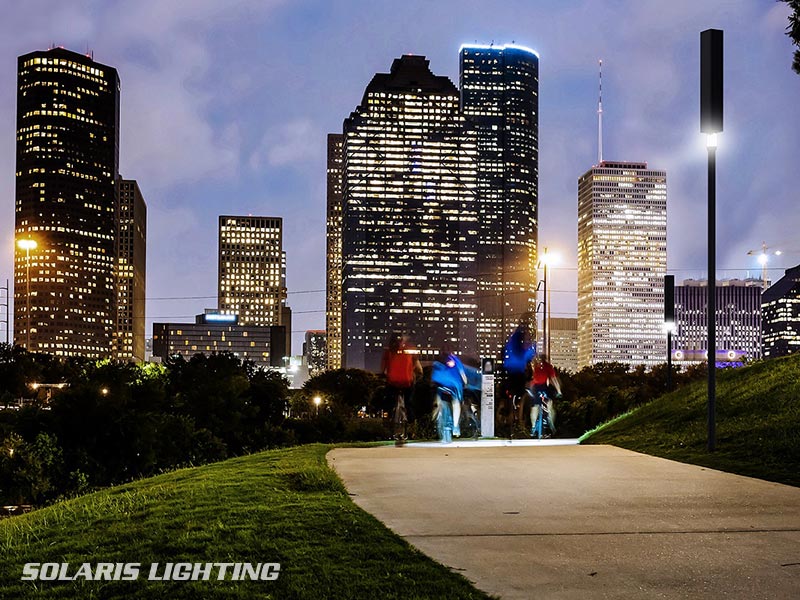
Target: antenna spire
(600, 115)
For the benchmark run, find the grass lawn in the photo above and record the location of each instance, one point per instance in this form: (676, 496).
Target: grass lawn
(281, 506)
(758, 423)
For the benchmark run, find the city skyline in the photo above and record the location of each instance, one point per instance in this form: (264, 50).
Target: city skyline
(254, 161)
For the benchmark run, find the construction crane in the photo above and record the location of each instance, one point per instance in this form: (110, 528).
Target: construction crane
(763, 258)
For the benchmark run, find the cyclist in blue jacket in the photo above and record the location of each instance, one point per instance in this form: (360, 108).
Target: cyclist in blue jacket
(449, 378)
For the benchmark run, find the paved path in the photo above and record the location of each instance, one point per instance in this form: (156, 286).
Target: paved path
(583, 521)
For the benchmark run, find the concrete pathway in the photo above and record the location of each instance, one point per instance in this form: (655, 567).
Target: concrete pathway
(583, 522)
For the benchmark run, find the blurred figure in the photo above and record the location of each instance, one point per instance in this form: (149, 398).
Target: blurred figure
(544, 378)
(519, 352)
(449, 378)
(401, 367)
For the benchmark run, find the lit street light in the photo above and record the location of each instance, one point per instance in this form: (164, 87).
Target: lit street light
(317, 402)
(27, 245)
(546, 261)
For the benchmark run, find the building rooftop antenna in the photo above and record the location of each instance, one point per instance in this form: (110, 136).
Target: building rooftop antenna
(600, 115)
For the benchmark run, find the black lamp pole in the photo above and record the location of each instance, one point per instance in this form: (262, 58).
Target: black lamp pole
(711, 123)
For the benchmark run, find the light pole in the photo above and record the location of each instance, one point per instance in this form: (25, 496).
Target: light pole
(669, 321)
(546, 261)
(317, 402)
(27, 245)
(711, 124)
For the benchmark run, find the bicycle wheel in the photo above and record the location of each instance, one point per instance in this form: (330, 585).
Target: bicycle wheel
(399, 421)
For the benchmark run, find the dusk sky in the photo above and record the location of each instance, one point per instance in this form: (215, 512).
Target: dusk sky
(226, 105)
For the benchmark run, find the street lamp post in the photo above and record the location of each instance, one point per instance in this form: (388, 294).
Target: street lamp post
(27, 245)
(546, 261)
(711, 54)
(317, 402)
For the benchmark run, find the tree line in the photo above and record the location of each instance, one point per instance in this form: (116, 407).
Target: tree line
(112, 422)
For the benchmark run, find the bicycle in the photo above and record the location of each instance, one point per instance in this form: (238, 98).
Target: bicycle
(400, 420)
(546, 415)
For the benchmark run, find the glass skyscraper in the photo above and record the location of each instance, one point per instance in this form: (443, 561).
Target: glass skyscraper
(500, 99)
(333, 255)
(780, 315)
(131, 263)
(409, 217)
(67, 169)
(622, 260)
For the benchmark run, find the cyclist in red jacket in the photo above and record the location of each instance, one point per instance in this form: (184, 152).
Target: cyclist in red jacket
(544, 375)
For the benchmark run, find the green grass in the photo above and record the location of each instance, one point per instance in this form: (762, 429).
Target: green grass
(757, 417)
(282, 506)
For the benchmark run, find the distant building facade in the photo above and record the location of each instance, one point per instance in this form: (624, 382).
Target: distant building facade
(315, 350)
(131, 271)
(409, 217)
(622, 260)
(214, 332)
(563, 333)
(333, 286)
(780, 315)
(252, 272)
(67, 153)
(500, 99)
(738, 321)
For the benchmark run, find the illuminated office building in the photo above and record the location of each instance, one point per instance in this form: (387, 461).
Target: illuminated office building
(622, 260)
(67, 166)
(738, 321)
(214, 332)
(252, 270)
(500, 99)
(131, 262)
(780, 315)
(333, 308)
(409, 217)
(563, 334)
(315, 350)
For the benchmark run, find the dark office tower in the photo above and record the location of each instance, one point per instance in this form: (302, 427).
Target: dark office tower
(67, 167)
(780, 315)
(333, 312)
(131, 262)
(409, 217)
(500, 98)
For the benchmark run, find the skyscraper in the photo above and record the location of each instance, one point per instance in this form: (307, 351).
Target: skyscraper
(780, 315)
(409, 216)
(738, 321)
(333, 312)
(252, 269)
(131, 264)
(500, 99)
(622, 260)
(67, 167)
(563, 334)
(315, 349)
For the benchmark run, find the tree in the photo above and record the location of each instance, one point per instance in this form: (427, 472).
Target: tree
(793, 31)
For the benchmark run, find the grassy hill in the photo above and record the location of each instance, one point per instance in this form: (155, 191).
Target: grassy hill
(758, 423)
(283, 506)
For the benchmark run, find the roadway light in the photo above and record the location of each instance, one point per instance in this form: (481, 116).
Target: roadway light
(546, 261)
(317, 402)
(27, 245)
(711, 123)
(104, 391)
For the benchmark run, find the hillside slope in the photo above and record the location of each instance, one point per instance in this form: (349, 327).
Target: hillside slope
(281, 506)
(758, 423)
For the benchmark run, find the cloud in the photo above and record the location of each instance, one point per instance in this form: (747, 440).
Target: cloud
(297, 141)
